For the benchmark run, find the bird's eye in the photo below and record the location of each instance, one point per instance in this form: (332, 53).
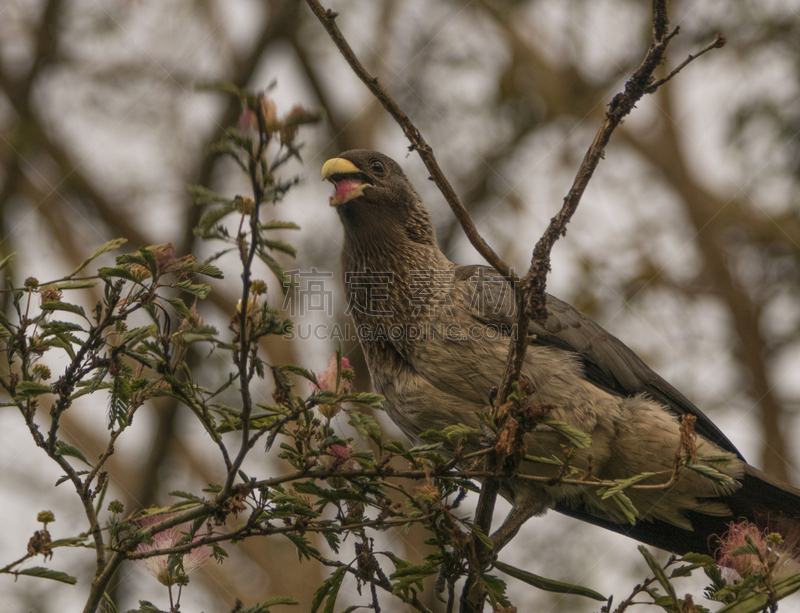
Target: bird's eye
(377, 166)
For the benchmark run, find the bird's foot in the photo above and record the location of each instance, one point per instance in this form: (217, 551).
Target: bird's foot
(513, 522)
(489, 438)
(444, 581)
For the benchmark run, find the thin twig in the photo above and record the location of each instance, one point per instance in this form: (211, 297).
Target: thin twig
(530, 295)
(719, 41)
(418, 143)
(382, 583)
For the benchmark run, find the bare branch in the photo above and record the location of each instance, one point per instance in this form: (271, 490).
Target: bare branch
(418, 143)
(719, 41)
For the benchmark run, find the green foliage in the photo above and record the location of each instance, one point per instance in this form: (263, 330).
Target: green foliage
(126, 343)
(548, 585)
(46, 573)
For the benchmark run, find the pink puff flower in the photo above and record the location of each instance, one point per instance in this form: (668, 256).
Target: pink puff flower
(157, 565)
(775, 552)
(735, 537)
(339, 456)
(327, 383)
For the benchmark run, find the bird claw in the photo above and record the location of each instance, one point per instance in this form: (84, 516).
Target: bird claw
(440, 585)
(493, 395)
(489, 438)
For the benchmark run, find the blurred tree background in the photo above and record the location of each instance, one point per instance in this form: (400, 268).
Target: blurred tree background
(686, 245)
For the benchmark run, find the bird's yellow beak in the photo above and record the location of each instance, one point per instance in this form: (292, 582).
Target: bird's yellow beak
(336, 170)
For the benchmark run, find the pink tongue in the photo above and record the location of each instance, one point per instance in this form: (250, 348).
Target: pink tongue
(346, 187)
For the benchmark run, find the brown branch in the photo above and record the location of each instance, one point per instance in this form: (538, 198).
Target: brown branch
(531, 300)
(418, 143)
(382, 583)
(719, 41)
(621, 105)
(530, 297)
(246, 530)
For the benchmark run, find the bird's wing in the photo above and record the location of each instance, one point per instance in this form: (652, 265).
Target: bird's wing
(607, 362)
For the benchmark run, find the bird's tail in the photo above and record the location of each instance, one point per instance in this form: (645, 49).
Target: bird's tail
(769, 504)
(762, 502)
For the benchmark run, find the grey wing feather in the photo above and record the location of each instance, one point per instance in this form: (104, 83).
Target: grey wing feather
(608, 362)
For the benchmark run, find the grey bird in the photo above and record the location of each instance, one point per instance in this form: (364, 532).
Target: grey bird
(436, 335)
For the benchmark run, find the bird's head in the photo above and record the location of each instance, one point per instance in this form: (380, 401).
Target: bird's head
(374, 198)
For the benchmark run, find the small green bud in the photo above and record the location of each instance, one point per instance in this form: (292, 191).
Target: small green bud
(329, 411)
(31, 282)
(41, 372)
(258, 287)
(245, 205)
(116, 507)
(45, 517)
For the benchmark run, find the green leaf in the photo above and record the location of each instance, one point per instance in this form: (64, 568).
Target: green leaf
(80, 284)
(263, 607)
(423, 448)
(579, 438)
(659, 574)
(145, 606)
(755, 602)
(366, 425)
(149, 259)
(699, 559)
(710, 473)
(137, 335)
(203, 269)
(179, 305)
(623, 483)
(108, 604)
(6, 260)
(187, 496)
(682, 571)
(482, 536)
(201, 290)
(46, 573)
(408, 575)
(456, 431)
(277, 245)
(201, 195)
(304, 548)
(210, 85)
(64, 478)
(543, 460)
(63, 448)
(29, 389)
(195, 334)
(212, 216)
(275, 267)
(495, 590)
(329, 589)
(56, 327)
(117, 271)
(71, 541)
(57, 305)
(624, 503)
(111, 245)
(749, 549)
(723, 459)
(280, 225)
(298, 370)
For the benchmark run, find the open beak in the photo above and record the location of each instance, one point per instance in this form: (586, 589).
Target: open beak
(346, 178)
